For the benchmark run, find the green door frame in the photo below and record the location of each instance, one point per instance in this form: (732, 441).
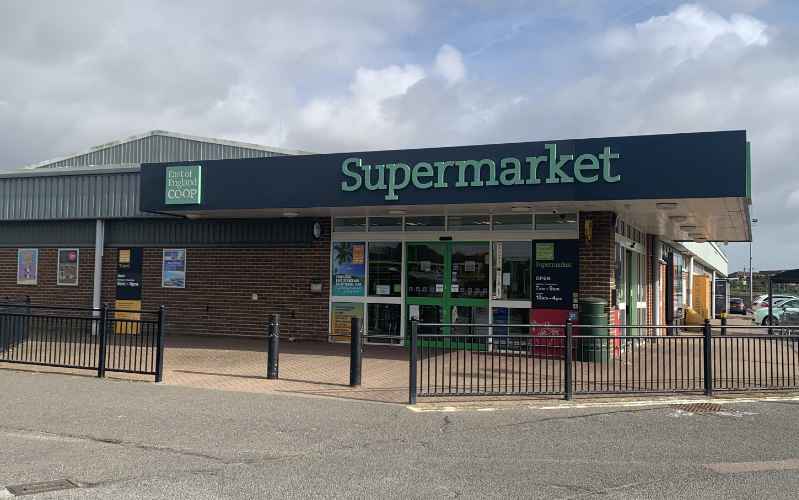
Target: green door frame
(446, 301)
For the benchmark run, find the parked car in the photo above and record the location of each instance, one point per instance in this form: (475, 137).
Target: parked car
(737, 306)
(762, 300)
(781, 307)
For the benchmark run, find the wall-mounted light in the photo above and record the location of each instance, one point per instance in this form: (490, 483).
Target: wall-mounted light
(687, 228)
(397, 212)
(520, 209)
(666, 205)
(678, 218)
(290, 214)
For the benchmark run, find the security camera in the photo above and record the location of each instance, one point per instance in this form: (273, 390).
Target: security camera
(554, 210)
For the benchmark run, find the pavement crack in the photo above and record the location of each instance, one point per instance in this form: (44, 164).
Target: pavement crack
(25, 433)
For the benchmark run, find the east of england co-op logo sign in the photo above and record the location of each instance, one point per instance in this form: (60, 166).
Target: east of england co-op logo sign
(183, 185)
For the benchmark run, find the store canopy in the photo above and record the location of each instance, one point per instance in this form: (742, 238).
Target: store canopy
(683, 187)
(789, 276)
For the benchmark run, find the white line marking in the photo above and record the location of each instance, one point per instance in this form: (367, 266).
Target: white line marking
(423, 408)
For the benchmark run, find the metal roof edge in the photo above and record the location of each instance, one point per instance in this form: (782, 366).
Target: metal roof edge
(166, 133)
(61, 171)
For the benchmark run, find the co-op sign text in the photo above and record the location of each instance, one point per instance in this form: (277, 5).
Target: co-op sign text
(550, 168)
(183, 185)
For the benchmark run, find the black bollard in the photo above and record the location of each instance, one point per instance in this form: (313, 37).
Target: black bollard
(273, 353)
(356, 354)
(724, 323)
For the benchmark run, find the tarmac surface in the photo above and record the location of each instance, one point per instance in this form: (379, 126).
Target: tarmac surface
(128, 439)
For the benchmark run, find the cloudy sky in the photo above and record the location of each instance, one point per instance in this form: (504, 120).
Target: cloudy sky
(335, 76)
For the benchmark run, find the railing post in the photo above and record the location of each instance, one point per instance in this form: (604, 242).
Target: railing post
(412, 361)
(707, 345)
(159, 355)
(356, 353)
(568, 389)
(273, 355)
(103, 341)
(724, 323)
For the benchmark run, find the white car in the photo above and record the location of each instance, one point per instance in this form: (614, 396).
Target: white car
(762, 300)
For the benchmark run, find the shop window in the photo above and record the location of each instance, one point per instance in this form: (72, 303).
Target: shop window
(428, 223)
(385, 268)
(349, 224)
(468, 223)
(512, 265)
(513, 222)
(425, 277)
(349, 266)
(512, 316)
(342, 314)
(470, 271)
(385, 322)
(556, 222)
(378, 224)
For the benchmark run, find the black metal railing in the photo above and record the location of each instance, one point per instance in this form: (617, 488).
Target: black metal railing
(572, 360)
(105, 339)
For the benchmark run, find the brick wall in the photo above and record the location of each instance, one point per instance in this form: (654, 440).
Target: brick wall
(47, 292)
(597, 255)
(220, 283)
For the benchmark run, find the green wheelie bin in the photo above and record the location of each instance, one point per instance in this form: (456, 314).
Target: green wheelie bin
(592, 312)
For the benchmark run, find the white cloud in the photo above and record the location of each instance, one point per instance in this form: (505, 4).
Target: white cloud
(449, 64)
(684, 34)
(793, 200)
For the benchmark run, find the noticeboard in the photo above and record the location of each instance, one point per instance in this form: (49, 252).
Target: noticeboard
(556, 274)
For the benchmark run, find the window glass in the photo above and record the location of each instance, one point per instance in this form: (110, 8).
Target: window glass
(425, 265)
(342, 314)
(385, 268)
(512, 316)
(384, 323)
(514, 222)
(348, 266)
(560, 222)
(470, 270)
(385, 224)
(427, 223)
(512, 264)
(356, 224)
(468, 222)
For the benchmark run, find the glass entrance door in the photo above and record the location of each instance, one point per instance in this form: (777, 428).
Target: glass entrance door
(448, 282)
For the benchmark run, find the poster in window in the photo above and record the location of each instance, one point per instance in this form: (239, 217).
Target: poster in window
(556, 274)
(27, 266)
(68, 266)
(341, 321)
(173, 270)
(349, 268)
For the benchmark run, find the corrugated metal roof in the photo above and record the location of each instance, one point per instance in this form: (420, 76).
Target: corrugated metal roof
(85, 194)
(161, 146)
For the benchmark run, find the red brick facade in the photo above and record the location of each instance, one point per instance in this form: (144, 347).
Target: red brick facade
(220, 283)
(597, 255)
(46, 291)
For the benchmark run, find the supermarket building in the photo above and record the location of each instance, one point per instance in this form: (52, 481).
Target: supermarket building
(226, 233)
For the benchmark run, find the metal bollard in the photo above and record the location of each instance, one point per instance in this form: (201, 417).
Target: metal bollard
(356, 354)
(273, 354)
(412, 362)
(568, 389)
(707, 350)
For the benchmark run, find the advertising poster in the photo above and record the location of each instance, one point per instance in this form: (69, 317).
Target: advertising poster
(27, 266)
(548, 337)
(173, 270)
(349, 268)
(556, 274)
(128, 291)
(68, 266)
(341, 321)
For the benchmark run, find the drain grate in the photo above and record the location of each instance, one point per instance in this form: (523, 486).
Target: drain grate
(19, 490)
(699, 408)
